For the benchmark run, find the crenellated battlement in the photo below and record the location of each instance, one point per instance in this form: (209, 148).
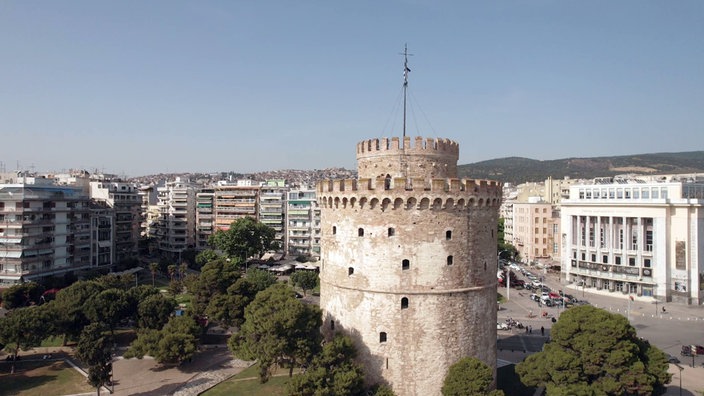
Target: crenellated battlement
(417, 145)
(408, 186)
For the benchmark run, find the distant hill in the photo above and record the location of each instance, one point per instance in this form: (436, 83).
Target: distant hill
(520, 170)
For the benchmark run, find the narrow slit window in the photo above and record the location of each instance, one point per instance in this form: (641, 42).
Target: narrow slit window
(350, 271)
(392, 231)
(334, 230)
(382, 336)
(360, 232)
(448, 235)
(405, 264)
(450, 260)
(404, 303)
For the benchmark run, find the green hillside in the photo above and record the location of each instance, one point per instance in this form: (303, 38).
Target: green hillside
(520, 170)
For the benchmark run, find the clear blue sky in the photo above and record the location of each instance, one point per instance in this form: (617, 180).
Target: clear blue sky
(141, 87)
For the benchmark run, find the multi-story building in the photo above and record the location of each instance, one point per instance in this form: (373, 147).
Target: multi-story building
(234, 201)
(639, 236)
(177, 214)
(302, 223)
(535, 229)
(272, 194)
(205, 223)
(126, 203)
(44, 230)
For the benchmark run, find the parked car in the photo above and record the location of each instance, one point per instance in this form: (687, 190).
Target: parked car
(686, 350)
(518, 284)
(672, 359)
(501, 326)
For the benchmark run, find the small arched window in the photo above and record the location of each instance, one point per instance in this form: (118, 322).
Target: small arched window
(405, 264)
(382, 336)
(392, 231)
(360, 232)
(450, 260)
(448, 235)
(350, 271)
(334, 230)
(404, 303)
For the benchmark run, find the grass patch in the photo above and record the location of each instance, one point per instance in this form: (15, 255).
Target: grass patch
(52, 341)
(247, 383)
(42, 378)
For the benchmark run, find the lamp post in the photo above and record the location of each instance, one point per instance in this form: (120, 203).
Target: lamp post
(681, 368)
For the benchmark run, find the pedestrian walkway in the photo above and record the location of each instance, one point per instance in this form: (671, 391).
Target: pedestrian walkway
(203, 381)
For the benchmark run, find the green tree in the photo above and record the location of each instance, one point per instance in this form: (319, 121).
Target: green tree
(205, 257)
(135, 296)
(154, 311)
(24, 328)
(172, 270)
(593, 351)
(95, 350)
(469, 376)
(22, 295)
(174, 344)
(68, 306)
(260, 279)
(278, 329)
(333, 372)
(306, 280)
(154, 269)
(382, 390)
(215, 278)
(245, 238)
(109, 307)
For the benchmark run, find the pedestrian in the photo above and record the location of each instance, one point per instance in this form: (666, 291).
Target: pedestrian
(542, 330)
(526, 329)
(530, 329)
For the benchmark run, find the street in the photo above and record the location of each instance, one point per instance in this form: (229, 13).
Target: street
(678, 325)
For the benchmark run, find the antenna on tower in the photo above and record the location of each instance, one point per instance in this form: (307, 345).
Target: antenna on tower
(406, 70)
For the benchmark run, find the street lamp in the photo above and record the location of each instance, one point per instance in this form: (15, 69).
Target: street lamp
(681, 368)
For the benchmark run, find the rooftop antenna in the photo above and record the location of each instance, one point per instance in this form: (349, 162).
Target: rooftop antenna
(406, 70)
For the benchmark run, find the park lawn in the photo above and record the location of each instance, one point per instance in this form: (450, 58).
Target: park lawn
(247, 383)
(52, 341)
(42, 378)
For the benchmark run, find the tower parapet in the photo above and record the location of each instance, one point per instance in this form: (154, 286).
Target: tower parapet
(410, 158)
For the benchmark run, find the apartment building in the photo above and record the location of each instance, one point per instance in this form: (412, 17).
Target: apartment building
(535, 227)
(125, 201)
(232, 201)
(272, 195)
(205, 223)
(44, 230)
(641, 236)
(302, 223)
(176, 226)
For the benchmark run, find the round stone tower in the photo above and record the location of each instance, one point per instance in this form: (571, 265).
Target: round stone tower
(409, 262)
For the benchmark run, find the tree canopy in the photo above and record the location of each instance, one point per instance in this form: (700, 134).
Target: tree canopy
(306, 280)
(595, 352)
(468, 377)
(333, 372)
(95, 350)
(278, 328)
(245, 238)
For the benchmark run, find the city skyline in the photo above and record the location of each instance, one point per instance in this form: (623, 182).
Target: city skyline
(165, 87)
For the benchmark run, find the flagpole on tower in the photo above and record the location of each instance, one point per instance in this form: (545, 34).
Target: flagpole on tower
(406, 70)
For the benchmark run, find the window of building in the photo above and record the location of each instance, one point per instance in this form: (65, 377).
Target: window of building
(593, 258)
(584, 256)
(405, 264)
(649, 240)
(382, 336)
(350, 271)
(404, 303)
(360, 232)
(448, 235)
(619, 286)
(632, 261)
(334, 230)
(605, 259)
(646, 263)
(449, 260)
(392, 231)
(617, 260)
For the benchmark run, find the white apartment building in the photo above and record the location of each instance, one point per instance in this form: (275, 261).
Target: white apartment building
(272, 195)
(45, 230)
(205, 223)
(126, 202)
(177, 214)
(638, 236)
(302, 223)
